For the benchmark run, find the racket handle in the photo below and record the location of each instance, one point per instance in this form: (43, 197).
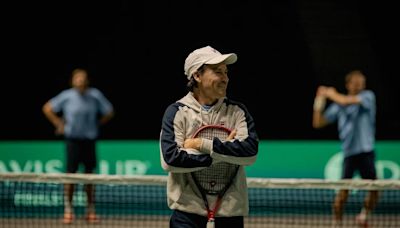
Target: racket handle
(211, 223)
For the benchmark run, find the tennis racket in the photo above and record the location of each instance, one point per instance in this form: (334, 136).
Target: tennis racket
(216, 179)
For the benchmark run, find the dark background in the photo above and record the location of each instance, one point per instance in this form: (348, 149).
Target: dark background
(135, 50)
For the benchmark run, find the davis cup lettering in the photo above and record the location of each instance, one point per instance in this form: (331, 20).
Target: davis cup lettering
(126, 167)
(120, 167)
(31, 166)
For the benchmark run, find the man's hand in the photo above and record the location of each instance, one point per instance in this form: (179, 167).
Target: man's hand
(59, 128)
(330, 92)
(231, 135)
(320, 98)
(321, 91)
(192, 143)
(196, 142)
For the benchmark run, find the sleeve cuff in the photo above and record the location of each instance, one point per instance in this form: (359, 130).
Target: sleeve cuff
(206, 146)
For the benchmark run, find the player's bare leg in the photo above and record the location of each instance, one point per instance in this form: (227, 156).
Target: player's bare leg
(91, 216)
(340, 200)
(369, 203)
(68, 210)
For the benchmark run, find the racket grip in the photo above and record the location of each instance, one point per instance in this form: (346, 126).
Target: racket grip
(319, 103)
(211, 223)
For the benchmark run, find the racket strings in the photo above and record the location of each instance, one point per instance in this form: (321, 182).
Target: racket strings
(214, 179)
(211, 133)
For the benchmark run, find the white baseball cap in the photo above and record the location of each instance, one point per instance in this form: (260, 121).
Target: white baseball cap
(206, 55)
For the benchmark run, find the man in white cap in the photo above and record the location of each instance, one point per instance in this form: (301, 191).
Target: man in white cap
(206, 104)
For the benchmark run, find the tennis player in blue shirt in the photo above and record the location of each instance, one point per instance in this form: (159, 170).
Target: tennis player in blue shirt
(354, 113)
(77, 113)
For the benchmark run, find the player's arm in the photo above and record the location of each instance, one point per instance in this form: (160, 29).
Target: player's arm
(174, 156)
(196, 143)
(106, 108)
(106, 118)
(318, 120)
(341, 99)
(56, 120)
(243, 148)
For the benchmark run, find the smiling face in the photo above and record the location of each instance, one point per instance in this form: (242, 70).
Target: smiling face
(212, 83)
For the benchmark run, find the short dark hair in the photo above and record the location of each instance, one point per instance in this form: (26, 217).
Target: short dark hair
(353, 73)
(192, 83)
(77, 70)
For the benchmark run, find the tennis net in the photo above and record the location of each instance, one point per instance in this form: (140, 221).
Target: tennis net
(36, 200)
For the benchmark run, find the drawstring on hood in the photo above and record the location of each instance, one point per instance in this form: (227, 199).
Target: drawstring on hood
(191, 102)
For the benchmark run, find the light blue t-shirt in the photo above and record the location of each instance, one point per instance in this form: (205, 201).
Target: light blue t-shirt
(356, 123)
(81, 111)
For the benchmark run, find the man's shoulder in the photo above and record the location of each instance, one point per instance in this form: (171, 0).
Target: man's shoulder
(66, 92)
(368, 91)
(93, 90)
(175, 106)
(368, 94)
(232, 102)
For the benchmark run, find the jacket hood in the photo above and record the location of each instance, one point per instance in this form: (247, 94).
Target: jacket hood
(192, 103)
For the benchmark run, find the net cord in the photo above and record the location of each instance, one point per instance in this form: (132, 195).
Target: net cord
(252, 182)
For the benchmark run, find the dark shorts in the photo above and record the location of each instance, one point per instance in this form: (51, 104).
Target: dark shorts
(81, 152)
(364, 163)
(180, 219)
